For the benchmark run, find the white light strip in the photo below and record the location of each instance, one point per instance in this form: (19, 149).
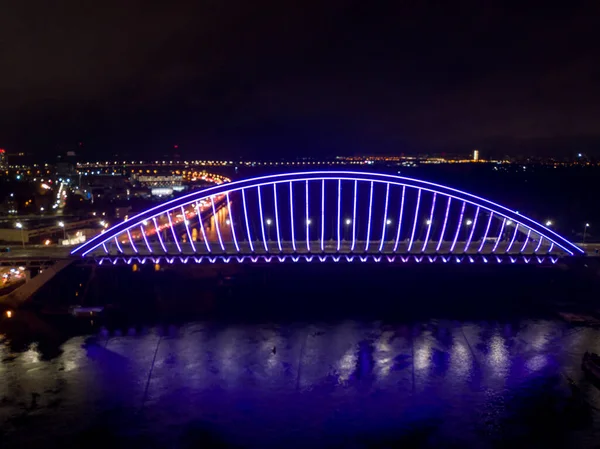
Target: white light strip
(246, 218)
(199, 215)
(487, 229)
(437, 248)
(262, 220)
(369, 220)
(412, 234)
(430, 224)
(237, 247)
(400, 218)
(385, 218)
(276, 217)
(460, 220)
(292, 215)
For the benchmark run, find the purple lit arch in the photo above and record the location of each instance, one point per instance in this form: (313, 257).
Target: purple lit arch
(333, 214)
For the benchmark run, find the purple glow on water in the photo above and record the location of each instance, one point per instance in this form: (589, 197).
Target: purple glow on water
(487, 229)
(437, 248)
(472, 230)
(237, 248)
(430, 223)
(385, 212)
(323, 215)
(173, 231)
(369, 219)
(354, 217)
(539, 243)
(460, 220)
(199, 215)
(118, 245)
(400, 219)
(499, 235)
(513, 237)
(262, 220)
(412, 234)
(339, 214)
(145, 239)
(131, 242)
(246, 219)
(276, 217)
(187, 229)
(292, 215)
(307, 220)
(526, 240)
(216, 221)
(158, 235)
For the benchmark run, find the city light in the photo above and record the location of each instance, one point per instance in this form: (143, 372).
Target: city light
(549, 223)
(587, 225)
(428, 222)
(509, 222)
(389, 222)
(308, 221)
(46, 242)
(19, 225)
(61, 224)
(9, 314)
(469, 222)
(228, 222)
(269, 221)
(348, 221)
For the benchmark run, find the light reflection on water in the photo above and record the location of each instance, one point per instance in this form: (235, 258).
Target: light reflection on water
(253, 384)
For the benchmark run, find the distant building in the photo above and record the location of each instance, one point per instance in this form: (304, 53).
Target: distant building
(476, 156)
(3, 159)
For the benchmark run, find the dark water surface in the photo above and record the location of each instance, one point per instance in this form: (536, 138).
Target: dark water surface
(325, 356)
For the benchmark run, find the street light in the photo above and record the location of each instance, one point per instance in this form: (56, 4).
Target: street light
(19, 225)
(469, 222)
(348, 221)
(388, 222)
(587, 225)
(62, 225)
(548, 223)
(428, 222)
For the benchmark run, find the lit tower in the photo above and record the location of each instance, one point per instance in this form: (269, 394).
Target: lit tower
(476, 156)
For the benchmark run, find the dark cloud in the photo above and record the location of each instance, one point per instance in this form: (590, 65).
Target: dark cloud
(295, 77)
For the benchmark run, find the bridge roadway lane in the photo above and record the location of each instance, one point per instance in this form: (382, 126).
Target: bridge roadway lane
(50, 253)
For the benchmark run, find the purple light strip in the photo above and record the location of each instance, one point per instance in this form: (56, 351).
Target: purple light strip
(173, 231)
(499, 235)
(276, 217)
(437, 248)
(487, 229)
(414, 229)
(105, 248)
(472, 230)
(158, 235)
(460, 220)
(513, 238)
(385, 212)
(246, 218)
(430, 223)
(187, 229)
(337, 174)
(145, 239)
(131, 242)
(199, 215)
(539, 243)
(369, 222)
(339, 214)
(526, 240)
(118, 245)
(237, 248)
(550, 248)
(354, 217)
(292, 215)
(215, 219)
(307, 220)
(400, 219)
(323, 215)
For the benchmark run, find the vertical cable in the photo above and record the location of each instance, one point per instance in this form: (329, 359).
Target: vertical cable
(212, 202)
(292, 215)
(354, 217)
(118, 245)
(472, 230)
(307, 221)
(199, 214)
(400, 218)
(187, 228)
(173, 231)
(437, 248)
(246, 218)
(322, 215)
(276, 216)
(131, 242)
(339, 213)
(412, 234)
(539, 243)
(237, 248)
(158, 235)
(430, 224)
(142, 230)
(460, 220)
(385, 211)
(499, 235)
(513, 238)
(369, 220)
(526, 240)
(487, 228)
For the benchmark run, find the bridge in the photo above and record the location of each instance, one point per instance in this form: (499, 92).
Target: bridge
(333, 216)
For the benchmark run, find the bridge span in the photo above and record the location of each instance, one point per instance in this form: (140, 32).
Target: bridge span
(329, 216)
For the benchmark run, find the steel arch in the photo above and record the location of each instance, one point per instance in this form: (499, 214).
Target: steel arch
(283, 182)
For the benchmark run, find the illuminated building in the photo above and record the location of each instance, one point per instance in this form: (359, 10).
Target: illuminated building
(3, 160)
(476, 156)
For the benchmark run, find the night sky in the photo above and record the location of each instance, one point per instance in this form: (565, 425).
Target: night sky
(280, 78)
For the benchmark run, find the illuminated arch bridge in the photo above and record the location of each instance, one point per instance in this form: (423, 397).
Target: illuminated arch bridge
(329, 216)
